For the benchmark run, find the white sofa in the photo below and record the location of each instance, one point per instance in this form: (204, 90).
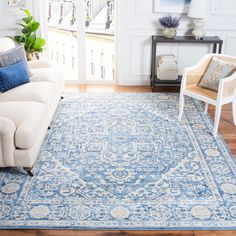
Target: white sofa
(26, 112)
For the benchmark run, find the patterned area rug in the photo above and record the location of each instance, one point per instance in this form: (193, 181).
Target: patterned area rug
(122, 161)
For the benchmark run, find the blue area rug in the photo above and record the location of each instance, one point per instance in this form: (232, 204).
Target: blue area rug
(122, 161)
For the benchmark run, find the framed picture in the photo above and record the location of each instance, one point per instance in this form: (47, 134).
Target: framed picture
(171, 6)
(13, 7)
(15, 3)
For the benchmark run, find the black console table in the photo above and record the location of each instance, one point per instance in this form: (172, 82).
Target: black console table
(215, 41)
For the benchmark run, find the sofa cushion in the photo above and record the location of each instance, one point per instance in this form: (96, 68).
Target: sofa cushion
(53, 75)
(13, 76)
(43, 92)
(14, 55)
(27, 117)
(6, 44)
(36, 64)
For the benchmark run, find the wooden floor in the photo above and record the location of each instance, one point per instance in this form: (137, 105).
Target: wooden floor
(227, 130)
(113, 233)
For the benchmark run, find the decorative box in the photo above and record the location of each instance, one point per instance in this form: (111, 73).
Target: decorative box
(167, 68)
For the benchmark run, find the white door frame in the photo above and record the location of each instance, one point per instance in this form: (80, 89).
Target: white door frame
(40, 14)
(82, 59)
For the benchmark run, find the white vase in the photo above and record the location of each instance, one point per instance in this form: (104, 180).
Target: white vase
(169, 33)
(198, 31)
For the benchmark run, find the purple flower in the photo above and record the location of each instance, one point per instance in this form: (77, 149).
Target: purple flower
(169, 21)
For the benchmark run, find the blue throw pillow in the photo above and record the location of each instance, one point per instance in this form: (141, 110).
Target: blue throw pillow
(13, 76)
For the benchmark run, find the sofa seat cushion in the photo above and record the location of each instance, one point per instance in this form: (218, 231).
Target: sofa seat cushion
(53, 75)
(43, 92)
(27, 117)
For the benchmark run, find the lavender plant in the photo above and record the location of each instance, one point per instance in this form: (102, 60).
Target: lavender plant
(169, 21)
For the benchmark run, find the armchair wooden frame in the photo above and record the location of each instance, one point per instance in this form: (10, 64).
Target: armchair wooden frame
(225, 94)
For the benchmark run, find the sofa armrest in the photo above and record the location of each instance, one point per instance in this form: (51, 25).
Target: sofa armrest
(36, 64)
(7, 146)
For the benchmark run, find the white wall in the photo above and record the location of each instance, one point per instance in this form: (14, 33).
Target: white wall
(10, 16)
(137, 22)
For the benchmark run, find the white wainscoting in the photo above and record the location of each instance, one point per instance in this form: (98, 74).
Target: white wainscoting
(137, 22)
(225, 8)
(9, 18)
(230, 45)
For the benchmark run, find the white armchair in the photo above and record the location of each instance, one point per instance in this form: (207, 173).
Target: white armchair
(225, 94)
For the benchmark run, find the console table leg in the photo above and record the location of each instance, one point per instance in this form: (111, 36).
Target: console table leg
(214, 48)
(220, 48)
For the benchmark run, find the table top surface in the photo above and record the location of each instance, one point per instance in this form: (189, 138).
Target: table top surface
(187, 39)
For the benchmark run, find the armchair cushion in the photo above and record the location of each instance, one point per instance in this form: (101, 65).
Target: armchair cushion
(218, 69)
